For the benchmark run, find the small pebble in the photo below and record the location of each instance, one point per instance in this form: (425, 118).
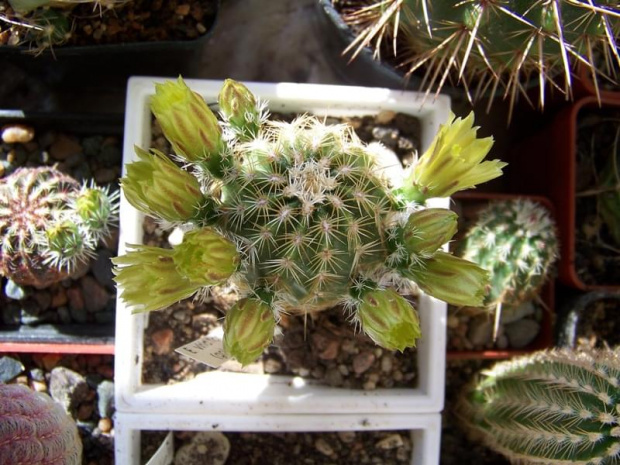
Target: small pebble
(17, 134)
(105, 425)
(390, 442)
(323, 447)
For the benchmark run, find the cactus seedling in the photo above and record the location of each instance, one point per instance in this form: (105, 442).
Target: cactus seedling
(35, 430)
(304, 218)
(556, 407)
(490, 44)
(50, 225)
(516, 241)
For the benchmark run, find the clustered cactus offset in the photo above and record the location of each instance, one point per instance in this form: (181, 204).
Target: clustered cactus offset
(50, 224)
(494, 45)
(516, 241)
(35, 430)
(298, 217)
(556, 407)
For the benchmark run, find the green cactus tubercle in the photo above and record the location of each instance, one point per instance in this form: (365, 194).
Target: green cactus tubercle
(555, 407)
(308, 220)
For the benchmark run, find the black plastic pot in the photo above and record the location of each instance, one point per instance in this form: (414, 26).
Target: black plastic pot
(574, 311)
(96, 338)
(110, 65)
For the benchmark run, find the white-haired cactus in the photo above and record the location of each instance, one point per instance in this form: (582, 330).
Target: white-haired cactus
(50, 225)
(556, 407)
(35, 430)
(305, 220)
(516, 241)
(490, 44)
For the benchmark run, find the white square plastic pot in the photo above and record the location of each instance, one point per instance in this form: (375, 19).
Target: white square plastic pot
(425, 429)
(215, 392)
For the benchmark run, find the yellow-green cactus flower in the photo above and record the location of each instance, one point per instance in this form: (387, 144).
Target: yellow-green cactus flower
(205, 257)
(248, 329)
(188, 123)
(240, 108)
(156, 186)
(427, 230)
(454, 161)
(452, 279)
(389, 319)
(149, 279)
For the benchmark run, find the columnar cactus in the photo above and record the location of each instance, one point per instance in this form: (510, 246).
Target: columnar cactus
(516, 241)
(490, 45)
(557, 407)
(50, 225)
(35, 430)
(298, 217)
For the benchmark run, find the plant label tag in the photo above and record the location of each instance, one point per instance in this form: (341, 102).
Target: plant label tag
(208, 349)
(165, 453)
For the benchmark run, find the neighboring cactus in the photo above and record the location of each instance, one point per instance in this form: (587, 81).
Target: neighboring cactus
(515, 240)
(50, 225)
(309, 221)
(557, 407)
(35, 430)
(489, 45)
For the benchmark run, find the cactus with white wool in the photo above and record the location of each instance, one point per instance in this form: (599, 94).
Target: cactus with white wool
(555, 407)
(298, 217)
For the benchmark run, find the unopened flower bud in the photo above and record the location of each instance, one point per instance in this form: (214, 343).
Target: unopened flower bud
(451, 279)
(239, 107)
(427, 230)
(248, 329)
(389, 319)
(187, 122)
(454, 161)
(206, 257)
(149, 280)
(156, 186)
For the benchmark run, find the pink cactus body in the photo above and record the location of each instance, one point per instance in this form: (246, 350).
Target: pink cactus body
(35, 430)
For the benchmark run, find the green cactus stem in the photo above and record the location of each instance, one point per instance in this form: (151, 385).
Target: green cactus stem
(556, 407)
(304, 217)
(35, 430)
(50, 225)
(494, 46)
(516, 241)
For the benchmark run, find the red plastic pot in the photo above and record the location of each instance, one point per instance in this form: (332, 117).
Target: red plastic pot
(547, 165)
(544, 339)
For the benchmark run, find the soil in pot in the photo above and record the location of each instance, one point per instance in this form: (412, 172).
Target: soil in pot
(88, 298)
(91, 23)
(82, 384)
(326, 348)
(599, 324)
(316, 448)
(472, 329)
(597, 248)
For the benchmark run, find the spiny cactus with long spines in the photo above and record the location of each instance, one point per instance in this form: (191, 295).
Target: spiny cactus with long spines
(298, 217)
(50, 224)
(556, 407)
(516, 241)
(35, 430)
(490, 45)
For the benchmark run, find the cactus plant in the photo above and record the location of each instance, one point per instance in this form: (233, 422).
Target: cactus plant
(489, 45)
(298, 217)
(50, 225)
(555, 407)
(516, 241)
(35, 430)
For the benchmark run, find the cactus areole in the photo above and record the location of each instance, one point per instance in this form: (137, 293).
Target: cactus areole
(298, 217)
